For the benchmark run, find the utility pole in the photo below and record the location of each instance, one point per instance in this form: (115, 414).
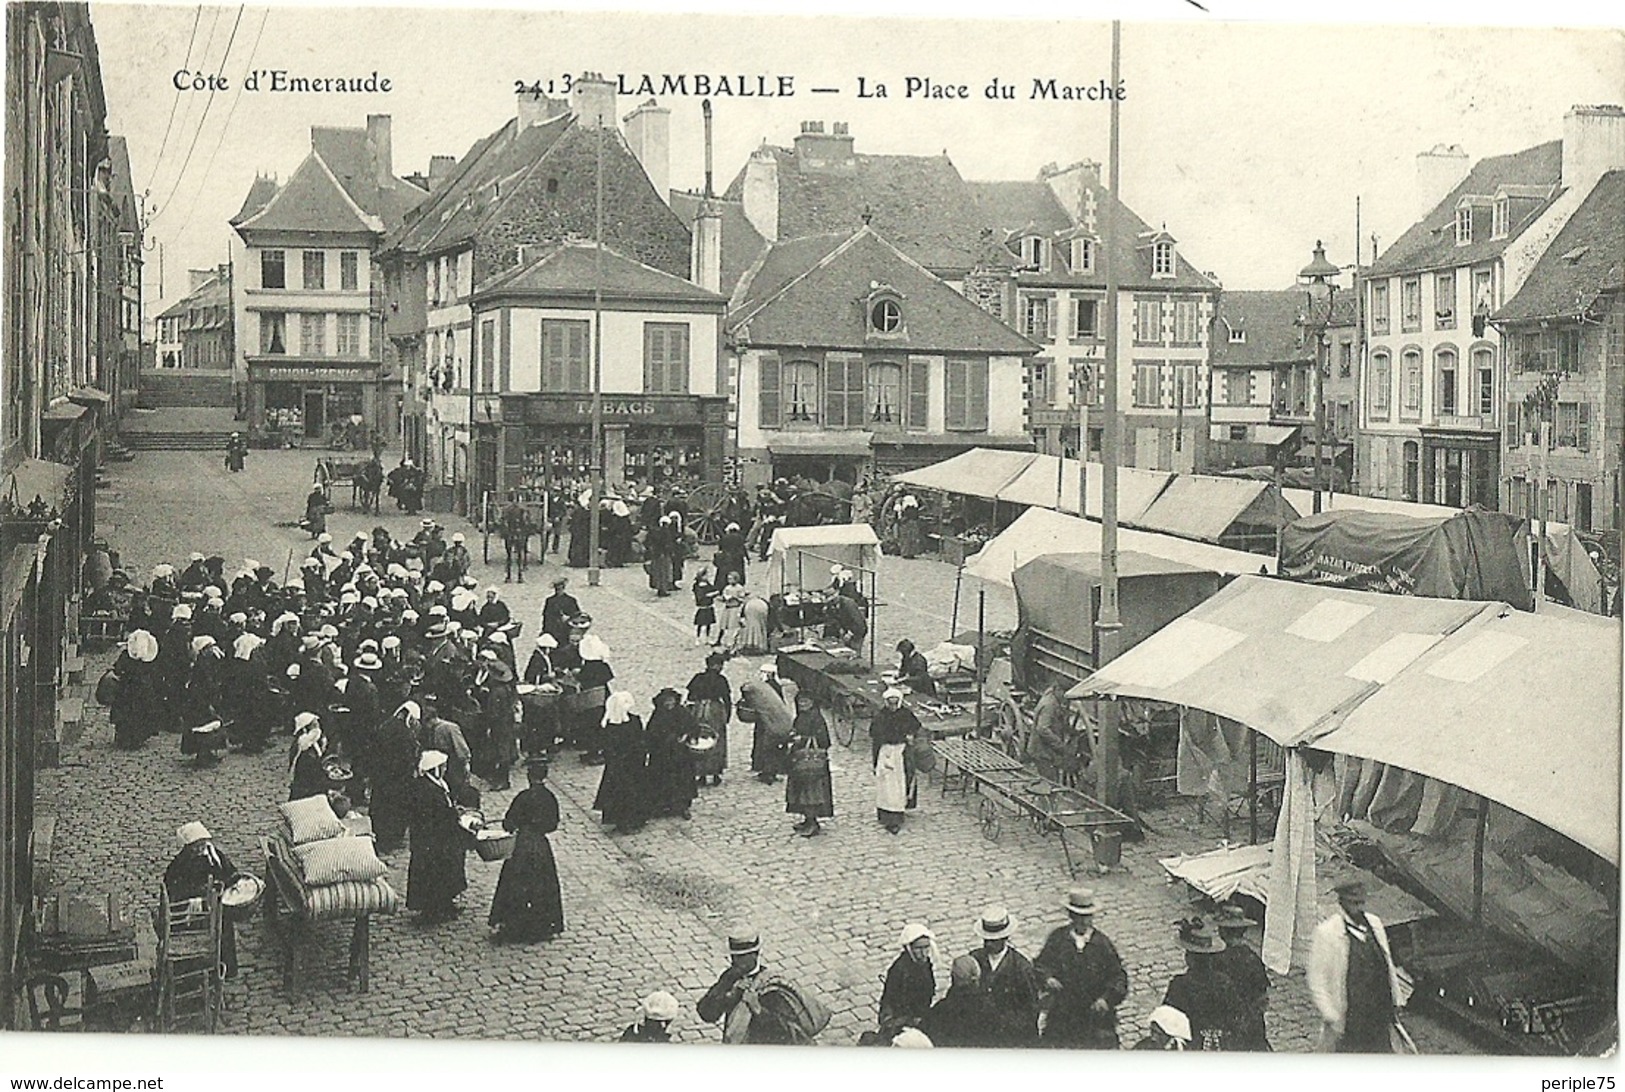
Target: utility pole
(1108, 623)
(596, 494)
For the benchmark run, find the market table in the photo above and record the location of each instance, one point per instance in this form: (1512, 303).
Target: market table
(852, 691)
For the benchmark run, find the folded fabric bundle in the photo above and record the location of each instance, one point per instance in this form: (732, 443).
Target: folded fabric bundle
(338, 860)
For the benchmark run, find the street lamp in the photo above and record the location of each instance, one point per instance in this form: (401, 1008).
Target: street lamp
(1318, 279)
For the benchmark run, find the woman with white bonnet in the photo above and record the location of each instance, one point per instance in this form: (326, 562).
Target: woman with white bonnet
(196, 866)
(435, 875)
(594, 675)
(1169, 1029)
(307, 776)
(246, 700)
(911, 982)
(133, 709)
(890, 731)
(656, 1014)
(623, 790)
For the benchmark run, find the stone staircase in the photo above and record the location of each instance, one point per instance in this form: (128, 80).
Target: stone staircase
(191, 389)
(176, 441)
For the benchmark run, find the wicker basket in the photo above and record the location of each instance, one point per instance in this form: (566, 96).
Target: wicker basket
(495, 848)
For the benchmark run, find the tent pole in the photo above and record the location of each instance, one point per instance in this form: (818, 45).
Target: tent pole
(953, 623)
(1252, 787)
(1478, 860)
(981, 638)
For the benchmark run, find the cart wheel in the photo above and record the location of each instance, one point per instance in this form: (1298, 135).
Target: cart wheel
(1011, 728)
(991, 823)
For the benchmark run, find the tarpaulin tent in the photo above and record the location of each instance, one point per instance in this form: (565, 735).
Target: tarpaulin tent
(1058, 598)
(1472, 555)
(1037, 485)
(1287, 660)
(979, 472)
(1040, 531)
(1521, 708)
(802, 556)
(1236, 512)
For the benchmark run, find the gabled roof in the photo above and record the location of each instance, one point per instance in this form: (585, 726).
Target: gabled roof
(429, 217)
(346, 154)
(1430, 243)
(572, 270)
(335, 190)
(259, 195)
(312, 201)
(1586, 259)
(1012, 206)
(812, 292)
(215, 291)
(741, 243)
(1270, 322)
(121, 185)
(921, 203)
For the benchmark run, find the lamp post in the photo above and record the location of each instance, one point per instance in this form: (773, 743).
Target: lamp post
(1321, 289)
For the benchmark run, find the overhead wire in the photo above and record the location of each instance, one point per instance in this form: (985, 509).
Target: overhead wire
(226, 126)
(152, 176)
(196, 133)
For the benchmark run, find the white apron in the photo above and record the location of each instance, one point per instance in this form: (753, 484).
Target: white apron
(891, 782)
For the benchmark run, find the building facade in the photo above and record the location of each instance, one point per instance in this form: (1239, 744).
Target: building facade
(1565, 337)
(309, 346)
(197, 330)
(853, 359)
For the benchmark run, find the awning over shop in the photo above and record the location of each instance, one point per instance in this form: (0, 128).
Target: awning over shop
(1288, 660)
(38, 480)
(821, 443)
(1206, 507)
(1521, 708)
(979, 472)
(801, 556)
(1040, 531)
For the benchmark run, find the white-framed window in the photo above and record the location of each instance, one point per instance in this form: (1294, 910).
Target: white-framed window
(349, 270)
(1464, 226)
(1238, 336)
(1410, 372)
(801, 391)
(312, 334)
(1483, 291)
(1382, 384)
(1083, 255)
(1034, 252)
(1148, 383)
(1187, 322)
(1484, 369)
(1042, 371)
(273, 269)
(315, 268)
(1503, 218)
(1379, 307)
(1037, 317)
(349, 335)
(273, 332)
(1162, 259)
(1086, 318)
(1410, 303)
(885, 315)
(1345, 358)
(1444, 300)
(883, 385)
(1449, 381)
(1238, 387)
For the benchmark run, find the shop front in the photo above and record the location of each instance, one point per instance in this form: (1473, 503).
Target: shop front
(1460, 468)
(653, 439)
(332, 404)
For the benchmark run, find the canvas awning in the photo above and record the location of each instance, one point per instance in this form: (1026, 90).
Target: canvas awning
(802, 556)
(979, 472)
(1288, 660)
(1206, 507)
(1521, 708)
(1039, 531)
(38, 480)
(1036, 486)
(1257, 433)
(833, 442)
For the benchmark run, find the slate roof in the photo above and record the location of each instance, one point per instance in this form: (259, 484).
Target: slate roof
(812, 291)
(333, 191)
(1586, 259)
(215, 291)
(1430, 243)
(1270, 320)
(572, 270)
(1012, 206)
(741, 243)
(920, 203)
(472, 170)
(121, 185)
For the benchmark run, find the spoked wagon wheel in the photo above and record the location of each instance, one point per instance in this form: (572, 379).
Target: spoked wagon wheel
(1012, 727)
(988, 817)
(708, 511)
(845, 728)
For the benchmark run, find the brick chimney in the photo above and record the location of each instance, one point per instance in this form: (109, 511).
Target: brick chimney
(761, 198)
(380, 145)
(820, 151)
(440, 168)
(533, 108)
(1593, 144)
(705, 266)
(1438, 170)
(1069, 185)
(648, 134)
(592, 99)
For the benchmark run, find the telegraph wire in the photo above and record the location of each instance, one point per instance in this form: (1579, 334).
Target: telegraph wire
(164, 207)
(197, 17)
(203, 60)
(226, 127)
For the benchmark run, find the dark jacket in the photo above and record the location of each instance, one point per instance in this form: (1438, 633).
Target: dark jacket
(910, 988)
(1096, 973)
(963, 1018)
(1209, 999)
(1012, 994)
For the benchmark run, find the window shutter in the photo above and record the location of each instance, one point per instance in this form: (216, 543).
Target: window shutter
(956, 394)
(1514, 437)
(580, 354)
(855, 390)
(654, 359)
(917, 409)
(976, 395)
(834, 391)
(1584, 438)
(770, 408)
(1051, 309)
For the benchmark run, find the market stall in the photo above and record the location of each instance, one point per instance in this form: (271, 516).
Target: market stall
(800, 563)
(852, 692)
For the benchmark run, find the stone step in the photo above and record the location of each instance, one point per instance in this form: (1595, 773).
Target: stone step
(178, 441)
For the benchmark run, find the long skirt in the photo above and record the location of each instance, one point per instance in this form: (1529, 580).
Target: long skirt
(527, 900)
(753, 628)
(712, 714)
(891, 784)
(810, 793)
(435, 874)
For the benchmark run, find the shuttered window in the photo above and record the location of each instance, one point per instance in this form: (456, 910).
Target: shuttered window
(919, 394)
(769, 413)
(488, 355)
(844, 390)
(665, 358)
(564, 356)
(967, 394)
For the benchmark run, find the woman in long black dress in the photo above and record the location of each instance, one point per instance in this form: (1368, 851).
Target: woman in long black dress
(435, 875)
(394, 766)
(199, 864)
(623, 790)
(808, 792)
(528, 905)
(671, 763)
(711, 695)
(134, 711)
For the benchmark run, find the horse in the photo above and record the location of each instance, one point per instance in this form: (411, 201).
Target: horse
(369, 481)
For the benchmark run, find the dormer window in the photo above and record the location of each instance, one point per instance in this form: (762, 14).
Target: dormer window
(1464, 226)
(1033, 252)
(1503, 218)
(1162, 259)
(1083, 255)
(884, 308)
(1238, 336)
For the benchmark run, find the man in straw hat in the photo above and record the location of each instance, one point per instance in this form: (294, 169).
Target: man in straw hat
(1204, 993)
(1008, 980)
(1352, 977)
(1084, 978)
(725, 1002)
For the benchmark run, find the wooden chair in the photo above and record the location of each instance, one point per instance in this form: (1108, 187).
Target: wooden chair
(48, 1002)
(189, 968)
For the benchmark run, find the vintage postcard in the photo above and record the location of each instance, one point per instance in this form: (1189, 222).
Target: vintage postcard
(726, 529)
